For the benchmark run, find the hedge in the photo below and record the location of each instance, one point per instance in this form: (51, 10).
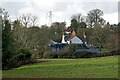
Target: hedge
(82, 54)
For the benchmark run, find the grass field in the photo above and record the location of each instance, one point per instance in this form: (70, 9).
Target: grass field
(104, 67)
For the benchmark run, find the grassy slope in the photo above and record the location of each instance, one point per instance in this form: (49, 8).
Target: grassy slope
(104, 67)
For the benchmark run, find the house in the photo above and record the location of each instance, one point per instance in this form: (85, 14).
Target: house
(80, 42)
(73, 39)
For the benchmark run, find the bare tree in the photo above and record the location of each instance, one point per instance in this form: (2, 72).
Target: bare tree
(34, 20)
(4, 17)
(4, 14)
(94, 17)
(25, 19)
(28, 20)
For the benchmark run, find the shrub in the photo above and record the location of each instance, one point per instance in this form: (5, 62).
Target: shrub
(23, 56)
(83, 54)
(71, 48)
(67, 54)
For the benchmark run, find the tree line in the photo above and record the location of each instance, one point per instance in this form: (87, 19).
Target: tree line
(23, 40)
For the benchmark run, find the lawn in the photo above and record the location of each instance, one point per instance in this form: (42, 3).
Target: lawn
(104, 67)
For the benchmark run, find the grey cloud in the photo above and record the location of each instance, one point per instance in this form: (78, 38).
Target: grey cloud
(106, 7)
(64, 7)
(61, 6)
(13, 7)
(119, 11)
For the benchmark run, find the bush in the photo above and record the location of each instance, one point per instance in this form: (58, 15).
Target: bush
(82, 54)
(23, 56)
(57, 54)
(67, 54)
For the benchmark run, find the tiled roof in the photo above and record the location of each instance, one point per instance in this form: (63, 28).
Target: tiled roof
(67, 38)
(73, 34)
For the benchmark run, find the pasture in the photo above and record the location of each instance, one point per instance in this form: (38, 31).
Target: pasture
(103, 67)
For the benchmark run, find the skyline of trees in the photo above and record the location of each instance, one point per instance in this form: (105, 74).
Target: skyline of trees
(79, 17)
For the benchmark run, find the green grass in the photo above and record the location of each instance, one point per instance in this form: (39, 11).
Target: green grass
(104, 67)
(104, 49)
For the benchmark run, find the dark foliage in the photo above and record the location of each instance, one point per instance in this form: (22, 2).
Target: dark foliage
(82, 54)
(22, 57)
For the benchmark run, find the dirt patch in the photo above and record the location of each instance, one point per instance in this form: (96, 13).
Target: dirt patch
(89, 75)
(38, 61)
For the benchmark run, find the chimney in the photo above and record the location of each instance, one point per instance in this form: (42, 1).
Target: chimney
(73, 33)
(84, 35)
(84, 38)
(63, 38)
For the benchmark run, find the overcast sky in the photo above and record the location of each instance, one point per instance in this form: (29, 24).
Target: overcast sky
(62, 10)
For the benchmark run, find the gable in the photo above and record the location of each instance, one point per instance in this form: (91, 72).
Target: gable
(76, 40)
